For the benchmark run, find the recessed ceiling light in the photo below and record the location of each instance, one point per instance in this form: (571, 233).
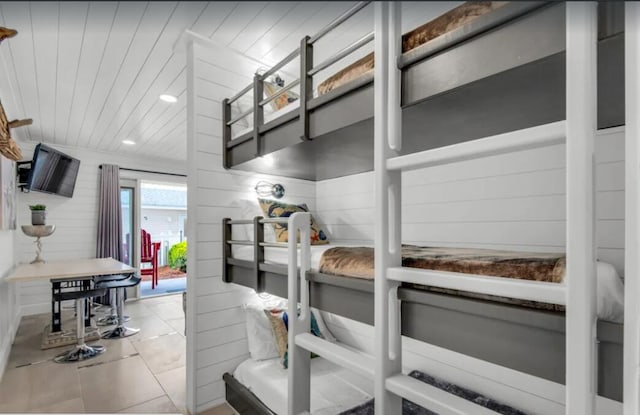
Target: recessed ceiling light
(128, 142)
(168, 98)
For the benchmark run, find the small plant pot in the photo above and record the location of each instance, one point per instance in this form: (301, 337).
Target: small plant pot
(38, 217)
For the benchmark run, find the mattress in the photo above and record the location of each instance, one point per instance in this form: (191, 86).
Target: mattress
(610, 289)
(333, 389)
(447, 22)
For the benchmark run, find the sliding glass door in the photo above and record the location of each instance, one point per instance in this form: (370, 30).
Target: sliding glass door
(127, 197)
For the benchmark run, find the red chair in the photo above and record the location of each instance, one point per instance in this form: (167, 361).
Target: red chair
(149, 255)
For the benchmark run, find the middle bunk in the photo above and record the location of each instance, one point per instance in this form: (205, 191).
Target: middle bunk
(463, 76)
(525, 336)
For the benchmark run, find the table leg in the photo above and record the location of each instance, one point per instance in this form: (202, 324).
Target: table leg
(86, 286)
(56, 323)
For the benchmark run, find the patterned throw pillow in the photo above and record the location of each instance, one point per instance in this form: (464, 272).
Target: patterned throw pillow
(275, 209)
(279, 327)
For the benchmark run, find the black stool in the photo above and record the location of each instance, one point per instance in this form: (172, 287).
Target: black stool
(81, 351)
(112, 318)
(120, 330)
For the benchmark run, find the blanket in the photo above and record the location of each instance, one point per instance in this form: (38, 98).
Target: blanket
(410, 408)
(447, 22)
(358, 262)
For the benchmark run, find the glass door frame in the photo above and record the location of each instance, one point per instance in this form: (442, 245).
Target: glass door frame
(135, 237)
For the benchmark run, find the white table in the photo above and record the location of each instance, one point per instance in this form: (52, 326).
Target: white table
(68, 270)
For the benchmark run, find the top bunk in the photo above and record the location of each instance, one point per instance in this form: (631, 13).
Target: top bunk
(481, 69)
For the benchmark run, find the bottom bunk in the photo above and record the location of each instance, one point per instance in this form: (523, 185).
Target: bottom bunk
(525, 339)
(260, 388)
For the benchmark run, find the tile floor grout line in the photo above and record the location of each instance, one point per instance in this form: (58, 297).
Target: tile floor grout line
(117, 359)
(158, 381)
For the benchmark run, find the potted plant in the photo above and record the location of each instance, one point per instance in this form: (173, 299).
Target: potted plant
(38, 214)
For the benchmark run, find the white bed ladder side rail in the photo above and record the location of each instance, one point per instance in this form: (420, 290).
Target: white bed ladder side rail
(299, 359)
(387, 341)
(631, 389)
(581, 106)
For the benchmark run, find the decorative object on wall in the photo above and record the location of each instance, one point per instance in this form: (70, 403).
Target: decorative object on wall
(266, 189)
(6, 33)
(38, 215)
(8, 147)
(7, 194)
(38, 231)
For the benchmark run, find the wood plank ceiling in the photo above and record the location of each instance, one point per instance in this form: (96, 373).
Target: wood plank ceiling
(90, 73)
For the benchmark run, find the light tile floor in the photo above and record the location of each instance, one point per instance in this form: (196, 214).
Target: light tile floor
(144, 373)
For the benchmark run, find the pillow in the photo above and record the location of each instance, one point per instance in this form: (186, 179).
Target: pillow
(279, 326)
(274, 209)
(259, 337)
(323, 327)
(279, 330)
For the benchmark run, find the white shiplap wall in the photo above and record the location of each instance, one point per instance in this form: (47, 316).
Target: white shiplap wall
(219, 344)
(9, 310)
(511, 201)
(75, 218)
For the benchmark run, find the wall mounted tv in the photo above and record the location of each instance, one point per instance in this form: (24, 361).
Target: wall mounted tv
(53, 172)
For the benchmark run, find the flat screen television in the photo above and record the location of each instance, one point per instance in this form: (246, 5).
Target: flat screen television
(53, 172)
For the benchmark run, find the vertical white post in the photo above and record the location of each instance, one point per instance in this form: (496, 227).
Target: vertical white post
(299, 359)
(631, 391)
(581, 283)
(387, 201)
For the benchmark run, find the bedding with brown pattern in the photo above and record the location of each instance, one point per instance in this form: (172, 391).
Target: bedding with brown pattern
(358, 262)
(447, 22)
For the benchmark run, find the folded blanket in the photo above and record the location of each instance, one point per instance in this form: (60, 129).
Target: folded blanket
(445, 23)
(358, 262)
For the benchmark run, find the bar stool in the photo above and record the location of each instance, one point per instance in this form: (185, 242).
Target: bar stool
(112, 318)
(120, 330)
(81, 351)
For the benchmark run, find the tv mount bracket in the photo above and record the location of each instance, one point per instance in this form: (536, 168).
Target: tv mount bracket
(23, 168)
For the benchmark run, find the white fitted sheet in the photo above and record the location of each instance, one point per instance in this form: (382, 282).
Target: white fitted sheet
(610, 301)
(333, 389)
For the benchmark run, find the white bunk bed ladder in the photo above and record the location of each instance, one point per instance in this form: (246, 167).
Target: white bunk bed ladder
(300, 341)
(631, 389)
(577, 292)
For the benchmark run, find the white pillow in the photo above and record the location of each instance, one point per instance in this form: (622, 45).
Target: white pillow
(322, 326)
(259, 337)
(610, 288)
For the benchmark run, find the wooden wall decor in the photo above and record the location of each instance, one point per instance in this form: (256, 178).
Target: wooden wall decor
(8, 147)
(6, 33)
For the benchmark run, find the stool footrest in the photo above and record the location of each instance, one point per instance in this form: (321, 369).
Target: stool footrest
(74, 295)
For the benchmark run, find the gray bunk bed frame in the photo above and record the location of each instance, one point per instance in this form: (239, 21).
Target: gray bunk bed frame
(325, 140)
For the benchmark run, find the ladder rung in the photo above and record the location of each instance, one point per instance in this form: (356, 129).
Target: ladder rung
(528, 138)
(546, 292)
(432, 398)
(355, 361)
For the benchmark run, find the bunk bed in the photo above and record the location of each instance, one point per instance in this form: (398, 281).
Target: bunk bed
(331, 135)
(322, 140)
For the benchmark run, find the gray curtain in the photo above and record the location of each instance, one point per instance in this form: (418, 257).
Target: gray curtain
(109, 243)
